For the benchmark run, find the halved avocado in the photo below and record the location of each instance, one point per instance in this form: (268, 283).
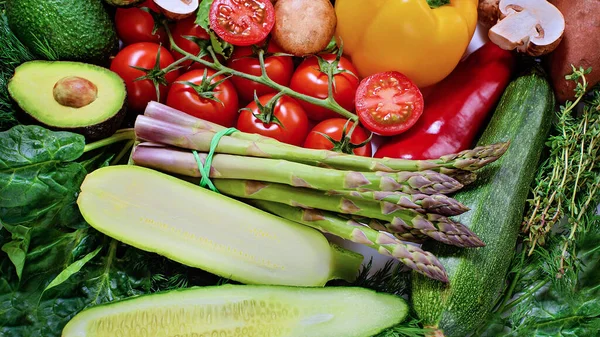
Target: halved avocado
(70, 96)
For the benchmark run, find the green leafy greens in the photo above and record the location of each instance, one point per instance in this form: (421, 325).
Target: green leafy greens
(52, 264)
(52, 271)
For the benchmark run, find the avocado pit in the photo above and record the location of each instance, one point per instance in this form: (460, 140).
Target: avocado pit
(74, 92)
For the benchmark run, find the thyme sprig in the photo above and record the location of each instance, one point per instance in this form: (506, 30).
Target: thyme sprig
(568, 180)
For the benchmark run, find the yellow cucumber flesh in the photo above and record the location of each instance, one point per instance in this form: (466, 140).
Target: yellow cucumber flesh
(159, 213)
(243, 311)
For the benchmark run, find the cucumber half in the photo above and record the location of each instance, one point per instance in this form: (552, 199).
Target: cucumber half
(243, 311)
(158, 213)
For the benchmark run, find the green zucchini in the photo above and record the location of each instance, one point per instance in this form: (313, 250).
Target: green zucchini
(243, 311)
(159, 213)
(497, 201)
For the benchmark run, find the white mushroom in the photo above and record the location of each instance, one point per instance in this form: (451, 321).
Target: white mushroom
(177, 9)
(534, 27)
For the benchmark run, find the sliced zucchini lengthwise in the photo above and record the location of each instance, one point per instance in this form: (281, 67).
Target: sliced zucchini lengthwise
(243, 311)
(159, 213)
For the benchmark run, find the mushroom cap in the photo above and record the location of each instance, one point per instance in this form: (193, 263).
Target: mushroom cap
(535, 27)
(488, 13)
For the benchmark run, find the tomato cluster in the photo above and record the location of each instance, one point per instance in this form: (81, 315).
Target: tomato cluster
(386, 104)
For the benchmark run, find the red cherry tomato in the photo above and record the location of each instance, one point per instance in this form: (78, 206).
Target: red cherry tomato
(185, 98)
(188, 27)
(143, 55)
(242, 22)
(388, 103)
(137, 25)
(294, 124)
(333, 128)
(279, 69)
(308, 79)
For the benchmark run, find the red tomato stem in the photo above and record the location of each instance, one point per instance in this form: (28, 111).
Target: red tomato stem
(216, 65)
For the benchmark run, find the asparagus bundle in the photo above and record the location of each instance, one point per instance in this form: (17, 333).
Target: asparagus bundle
(295, 174)
(168, 126)
(376, 202)
(435, 226)
(398, 210)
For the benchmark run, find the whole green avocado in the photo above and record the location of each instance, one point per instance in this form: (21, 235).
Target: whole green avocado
(76, 30)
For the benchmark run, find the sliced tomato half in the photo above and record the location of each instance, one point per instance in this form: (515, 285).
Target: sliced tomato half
(388, 103)
(242, 22)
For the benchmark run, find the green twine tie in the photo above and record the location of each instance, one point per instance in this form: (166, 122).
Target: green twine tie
(205, 169)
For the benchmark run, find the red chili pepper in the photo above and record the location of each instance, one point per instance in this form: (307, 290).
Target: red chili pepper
(456, 108)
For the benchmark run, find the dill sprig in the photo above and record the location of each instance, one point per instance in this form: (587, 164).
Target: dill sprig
(410, 328)
(391, 278)
(567, 181)
(12, 54)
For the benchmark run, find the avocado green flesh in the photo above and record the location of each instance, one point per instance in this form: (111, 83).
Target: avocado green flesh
(76, 30)
(32, 88)
(200, 228)
(244, 311)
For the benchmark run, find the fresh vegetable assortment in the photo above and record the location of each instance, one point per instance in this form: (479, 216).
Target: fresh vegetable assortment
(283, 146)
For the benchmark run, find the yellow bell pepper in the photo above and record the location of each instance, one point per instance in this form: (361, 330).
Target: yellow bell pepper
(408, 36)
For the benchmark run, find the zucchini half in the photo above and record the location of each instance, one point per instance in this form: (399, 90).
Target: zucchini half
(194, 226)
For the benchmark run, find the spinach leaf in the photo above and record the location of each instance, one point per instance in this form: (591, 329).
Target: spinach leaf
(111, 275)
(38, 180)
(17, 248)
(72, 269)
(38, 184)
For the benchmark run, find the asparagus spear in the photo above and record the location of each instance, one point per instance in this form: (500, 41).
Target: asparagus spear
(435, 226)
(199, 138)
(408, 234)
(226, 166)
(462, 176)
(422, 203)
(414, 257)
(165, 113)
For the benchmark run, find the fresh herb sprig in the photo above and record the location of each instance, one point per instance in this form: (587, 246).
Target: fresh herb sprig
(568, 181)
(12, 54)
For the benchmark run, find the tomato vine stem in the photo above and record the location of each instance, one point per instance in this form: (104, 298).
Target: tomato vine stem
(264, 79)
